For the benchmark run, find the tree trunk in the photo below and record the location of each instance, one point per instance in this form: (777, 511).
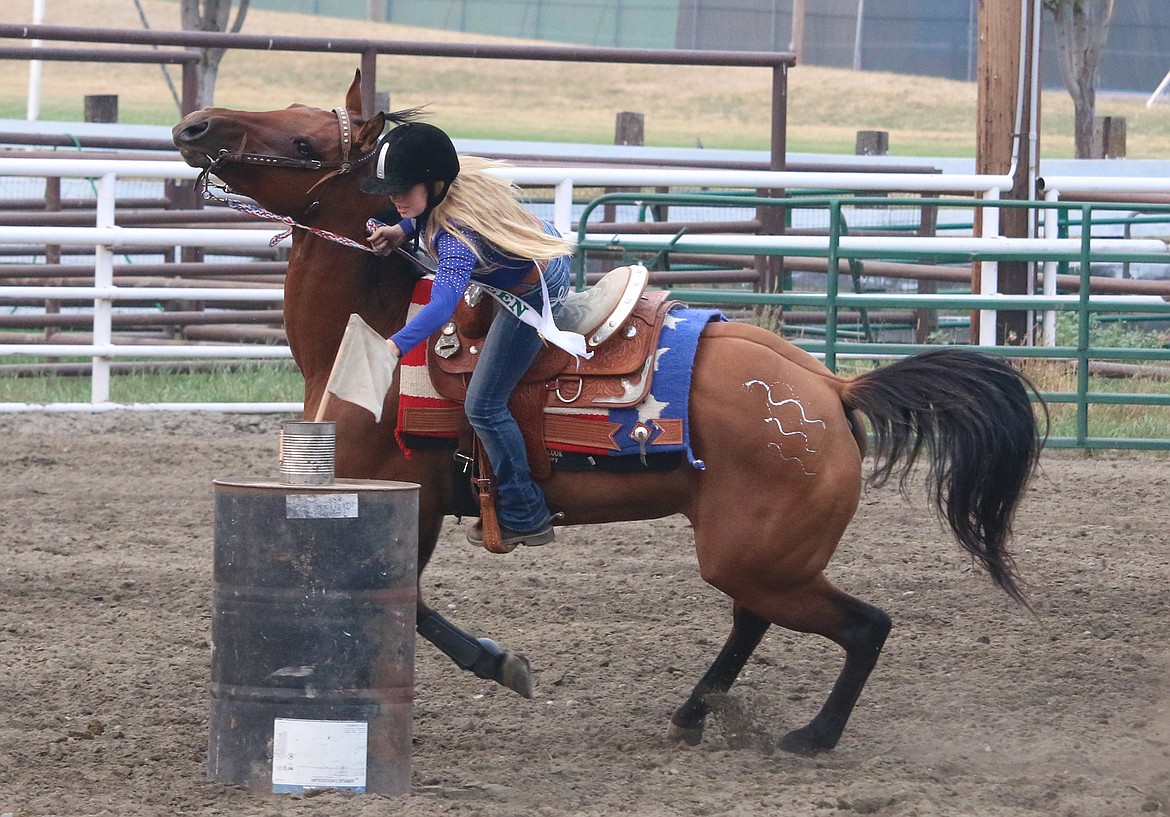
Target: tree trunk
(210, 15)
(1081, 29)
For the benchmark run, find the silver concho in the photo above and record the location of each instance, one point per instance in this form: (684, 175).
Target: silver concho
(448, 342)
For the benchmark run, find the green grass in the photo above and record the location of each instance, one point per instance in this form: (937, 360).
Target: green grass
(261, 382)
(1104, 420)
(1109, 333)
(279, 382)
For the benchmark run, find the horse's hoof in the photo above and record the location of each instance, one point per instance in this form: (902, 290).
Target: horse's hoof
(690, 735)
(516, 674)
(805, 742)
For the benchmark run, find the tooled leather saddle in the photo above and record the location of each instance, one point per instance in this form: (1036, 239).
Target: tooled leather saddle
(621, 323)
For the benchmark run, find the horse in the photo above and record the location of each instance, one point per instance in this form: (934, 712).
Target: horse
(762, 412)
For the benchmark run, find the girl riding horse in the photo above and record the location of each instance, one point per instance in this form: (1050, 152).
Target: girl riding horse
(473, 227)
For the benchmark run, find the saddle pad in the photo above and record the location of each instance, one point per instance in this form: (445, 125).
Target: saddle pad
(658, 424)
(422, 410)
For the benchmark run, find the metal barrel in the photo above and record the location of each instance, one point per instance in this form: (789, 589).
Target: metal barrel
(307, 451)
(312, 668)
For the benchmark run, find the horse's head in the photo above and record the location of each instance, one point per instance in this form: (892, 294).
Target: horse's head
(308, 164)
(288, 159)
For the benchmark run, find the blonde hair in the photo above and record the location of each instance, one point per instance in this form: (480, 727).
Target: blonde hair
(490, 206)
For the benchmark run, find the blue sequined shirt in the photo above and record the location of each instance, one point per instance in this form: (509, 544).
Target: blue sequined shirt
(457, 266)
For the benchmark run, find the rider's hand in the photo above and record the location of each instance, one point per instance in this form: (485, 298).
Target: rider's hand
(387, 238)
(395, 354)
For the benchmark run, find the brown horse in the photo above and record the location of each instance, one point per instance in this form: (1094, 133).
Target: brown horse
(763, 413)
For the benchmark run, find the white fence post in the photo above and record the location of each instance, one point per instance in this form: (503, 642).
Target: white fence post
(103, 307)
(563, 207)
(989, 270)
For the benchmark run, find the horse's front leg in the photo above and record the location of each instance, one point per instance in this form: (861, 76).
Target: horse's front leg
(482, 656)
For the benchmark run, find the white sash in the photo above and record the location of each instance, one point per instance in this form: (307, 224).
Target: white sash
(542, 322)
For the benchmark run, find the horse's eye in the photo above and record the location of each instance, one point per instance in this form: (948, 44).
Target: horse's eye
(304, 147)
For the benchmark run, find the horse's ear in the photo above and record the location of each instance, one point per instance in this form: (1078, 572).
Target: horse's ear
(371, 130)
(353, 97)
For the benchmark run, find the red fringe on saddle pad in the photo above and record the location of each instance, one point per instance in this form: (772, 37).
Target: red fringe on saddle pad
(420, 408)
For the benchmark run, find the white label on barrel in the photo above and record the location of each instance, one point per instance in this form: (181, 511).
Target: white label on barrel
(321, 506)
(318, 755)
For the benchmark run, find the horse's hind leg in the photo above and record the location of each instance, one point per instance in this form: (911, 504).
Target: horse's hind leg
(686, 724)
(859, 628)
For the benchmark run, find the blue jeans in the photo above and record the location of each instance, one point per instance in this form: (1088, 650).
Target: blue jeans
(508, 351)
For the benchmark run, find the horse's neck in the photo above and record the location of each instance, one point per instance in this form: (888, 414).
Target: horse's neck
(326, 283)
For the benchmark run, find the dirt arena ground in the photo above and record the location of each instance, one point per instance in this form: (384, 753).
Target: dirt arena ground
(977, 707)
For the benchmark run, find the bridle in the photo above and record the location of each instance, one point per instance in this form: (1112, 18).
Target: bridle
(335, 169)
(345, 165)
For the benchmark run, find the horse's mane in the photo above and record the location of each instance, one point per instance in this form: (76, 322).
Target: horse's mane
(405, 115)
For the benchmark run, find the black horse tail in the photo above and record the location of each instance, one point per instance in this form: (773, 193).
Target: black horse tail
(974, 416)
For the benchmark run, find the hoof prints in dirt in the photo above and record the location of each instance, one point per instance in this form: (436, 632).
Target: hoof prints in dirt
(976, 706)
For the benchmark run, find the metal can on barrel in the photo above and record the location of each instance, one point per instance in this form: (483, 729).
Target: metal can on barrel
(313, 618)
(307, 451)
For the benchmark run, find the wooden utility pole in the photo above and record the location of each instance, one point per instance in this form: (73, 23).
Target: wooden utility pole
(1001, 84)
(796, 46)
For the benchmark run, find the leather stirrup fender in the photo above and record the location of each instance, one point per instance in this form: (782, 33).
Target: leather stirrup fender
(489, 522)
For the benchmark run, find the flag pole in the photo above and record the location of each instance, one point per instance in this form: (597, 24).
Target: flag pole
(324, 404)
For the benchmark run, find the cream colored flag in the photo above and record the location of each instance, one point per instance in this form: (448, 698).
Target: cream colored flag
(364, 367)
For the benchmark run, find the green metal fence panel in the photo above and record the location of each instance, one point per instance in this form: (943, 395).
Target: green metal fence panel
(1081, 251)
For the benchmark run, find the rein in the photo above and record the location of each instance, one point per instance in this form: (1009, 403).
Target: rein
(371, 225)
(260, 212)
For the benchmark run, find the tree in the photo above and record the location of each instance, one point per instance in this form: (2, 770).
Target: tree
(210, 15)
(1081, 29)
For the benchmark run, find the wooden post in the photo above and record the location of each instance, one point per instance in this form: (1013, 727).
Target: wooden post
(52, 251)
(381, 101)
(190, 86)
(1109, 137)
(796, 46)
(101, 108)
(770, 268)
(629, 129)
(872, 143)
(1114, 137)
(369, 68)
(926, 320)
(999, 82)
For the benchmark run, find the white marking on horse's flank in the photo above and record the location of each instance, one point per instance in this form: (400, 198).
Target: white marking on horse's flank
(774, 406)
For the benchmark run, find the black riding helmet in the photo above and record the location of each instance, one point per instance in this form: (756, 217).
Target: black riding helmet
(411, 153)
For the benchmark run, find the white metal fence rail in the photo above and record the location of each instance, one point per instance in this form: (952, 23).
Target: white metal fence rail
(106, 234)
